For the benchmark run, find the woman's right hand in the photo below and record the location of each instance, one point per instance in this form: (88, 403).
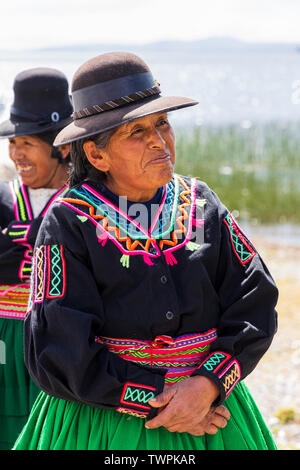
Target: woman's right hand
(216, 418)
(187, 407)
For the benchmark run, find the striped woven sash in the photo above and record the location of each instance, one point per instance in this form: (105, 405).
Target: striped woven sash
(14, 301)
(181, 356)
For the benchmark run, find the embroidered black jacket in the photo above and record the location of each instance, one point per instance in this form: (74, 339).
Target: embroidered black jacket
(18, 232)
(99, 274)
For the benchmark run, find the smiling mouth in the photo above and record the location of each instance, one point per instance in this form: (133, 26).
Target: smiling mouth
(24, 168)
(161, 159)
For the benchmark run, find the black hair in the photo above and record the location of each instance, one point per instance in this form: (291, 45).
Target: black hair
(81, 168)
(49, 137)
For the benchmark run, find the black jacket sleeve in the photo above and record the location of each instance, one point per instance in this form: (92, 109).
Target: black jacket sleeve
(66, 316)
(247, 296)
(16, 247)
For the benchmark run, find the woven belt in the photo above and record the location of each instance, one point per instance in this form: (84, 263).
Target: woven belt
(14, 301)
(181, 356)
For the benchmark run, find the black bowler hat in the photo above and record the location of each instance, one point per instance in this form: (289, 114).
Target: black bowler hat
(111, 89)
(41, 103)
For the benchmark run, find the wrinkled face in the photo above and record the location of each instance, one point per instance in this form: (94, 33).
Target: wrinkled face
(32, 159)
(140, 157)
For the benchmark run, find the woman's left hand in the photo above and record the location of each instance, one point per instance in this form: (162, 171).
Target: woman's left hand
(185, 404)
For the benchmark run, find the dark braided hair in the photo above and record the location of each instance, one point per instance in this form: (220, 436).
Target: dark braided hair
(81, 168)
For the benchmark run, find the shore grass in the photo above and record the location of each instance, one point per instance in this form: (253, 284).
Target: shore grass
(254, 170)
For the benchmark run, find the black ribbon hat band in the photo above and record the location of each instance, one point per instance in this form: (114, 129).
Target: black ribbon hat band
(38, 118)
(112, 94)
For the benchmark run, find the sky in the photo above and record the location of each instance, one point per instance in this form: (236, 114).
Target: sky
(50, 23)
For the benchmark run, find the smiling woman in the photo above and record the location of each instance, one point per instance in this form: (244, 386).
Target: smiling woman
(41, 107)
(31, 156)
(139, 158)
(159, 319)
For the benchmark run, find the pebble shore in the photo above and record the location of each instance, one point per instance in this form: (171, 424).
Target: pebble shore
(275, 383)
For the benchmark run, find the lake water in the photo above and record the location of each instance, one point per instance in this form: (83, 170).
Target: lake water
(231, 87)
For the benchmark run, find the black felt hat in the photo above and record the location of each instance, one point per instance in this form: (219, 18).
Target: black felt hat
(41, 103)
(112, 89)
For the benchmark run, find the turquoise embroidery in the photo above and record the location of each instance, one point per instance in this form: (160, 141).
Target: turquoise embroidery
(213, 361)
(242, 249)
(56, 271)
(138, 395)
(166, 219)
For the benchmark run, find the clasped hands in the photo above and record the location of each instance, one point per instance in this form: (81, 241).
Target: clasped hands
(187, 407)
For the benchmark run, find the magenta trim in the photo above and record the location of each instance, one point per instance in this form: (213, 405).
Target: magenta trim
(48, 296)
(14, 200)
(18, 240)
(53, 198)
(159, 210)
(24, 276)
(237, 380)
(188, 235)
(243, 240)
(34, 296)
(126, 252)
(117, 209)
(24, 191)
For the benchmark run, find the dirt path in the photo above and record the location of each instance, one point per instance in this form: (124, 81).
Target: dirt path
(275, 383)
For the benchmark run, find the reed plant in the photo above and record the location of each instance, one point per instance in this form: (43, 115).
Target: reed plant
(255, 169)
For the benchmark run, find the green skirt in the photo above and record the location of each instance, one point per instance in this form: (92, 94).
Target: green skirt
(17, 390)
(56, 424)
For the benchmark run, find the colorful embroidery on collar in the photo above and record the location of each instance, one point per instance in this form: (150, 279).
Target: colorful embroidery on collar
(170, 230)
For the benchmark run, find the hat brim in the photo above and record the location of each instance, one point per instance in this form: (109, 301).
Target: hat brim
(9, 129)
(91, 125)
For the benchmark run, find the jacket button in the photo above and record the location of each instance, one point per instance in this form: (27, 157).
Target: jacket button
(164, 279)
(169, 315)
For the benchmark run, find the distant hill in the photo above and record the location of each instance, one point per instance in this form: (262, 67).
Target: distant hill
(171, 49)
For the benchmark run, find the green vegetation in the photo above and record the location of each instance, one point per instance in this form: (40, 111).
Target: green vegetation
(286, 415)
(255, 171)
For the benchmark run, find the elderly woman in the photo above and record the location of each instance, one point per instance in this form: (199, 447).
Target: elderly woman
(149, 306)
(40, 109)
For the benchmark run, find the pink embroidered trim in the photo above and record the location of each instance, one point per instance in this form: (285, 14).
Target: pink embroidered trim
(50, 265)
(18, 227)
(24, 192)
(53, 199)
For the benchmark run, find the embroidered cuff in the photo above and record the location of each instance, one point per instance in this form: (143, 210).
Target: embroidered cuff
(19, 232)
(25, 269)
(134, 400)
(223, 369)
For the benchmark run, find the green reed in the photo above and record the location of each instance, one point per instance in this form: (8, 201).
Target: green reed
(255, 171)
